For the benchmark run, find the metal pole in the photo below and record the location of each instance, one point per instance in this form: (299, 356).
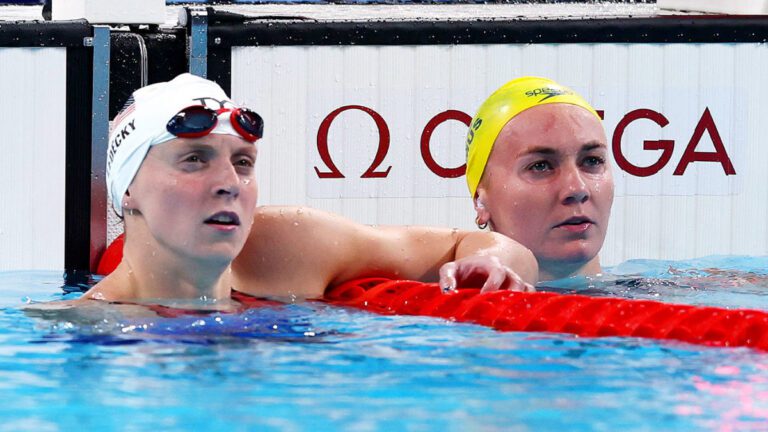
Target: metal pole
(198, 50)
(99, 140)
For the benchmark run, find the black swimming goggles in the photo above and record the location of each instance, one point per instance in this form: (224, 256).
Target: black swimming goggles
(197, 121)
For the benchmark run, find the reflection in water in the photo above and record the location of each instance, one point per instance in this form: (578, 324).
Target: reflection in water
(746, 386)
(121, 324)
(732, 282)
(362, 371)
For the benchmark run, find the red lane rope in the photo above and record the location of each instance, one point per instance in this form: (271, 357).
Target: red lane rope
(543, 311)
(550, 312)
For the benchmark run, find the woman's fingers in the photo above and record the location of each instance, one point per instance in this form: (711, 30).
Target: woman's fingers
(485, 271)
(503, 278)
(448, 277)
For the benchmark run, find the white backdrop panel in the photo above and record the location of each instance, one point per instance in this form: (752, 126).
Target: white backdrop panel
(32, 115)
(331, 110)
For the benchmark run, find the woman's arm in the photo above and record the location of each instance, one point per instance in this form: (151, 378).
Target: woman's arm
(301, 251)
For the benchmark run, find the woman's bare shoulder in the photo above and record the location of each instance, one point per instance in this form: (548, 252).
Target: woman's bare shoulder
(113, 288)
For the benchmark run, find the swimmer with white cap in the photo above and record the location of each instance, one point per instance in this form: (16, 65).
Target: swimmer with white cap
(181, 171)
(538, 171)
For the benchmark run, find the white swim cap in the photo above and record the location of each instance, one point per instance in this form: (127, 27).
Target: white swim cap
(142, 124)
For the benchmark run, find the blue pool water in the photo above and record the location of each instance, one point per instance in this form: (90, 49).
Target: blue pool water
(317, 367)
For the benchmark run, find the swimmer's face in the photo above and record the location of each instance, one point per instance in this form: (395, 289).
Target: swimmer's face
(549, 186)
(196, 197)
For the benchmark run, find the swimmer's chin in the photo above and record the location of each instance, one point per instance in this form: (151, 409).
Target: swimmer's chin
(219, 255)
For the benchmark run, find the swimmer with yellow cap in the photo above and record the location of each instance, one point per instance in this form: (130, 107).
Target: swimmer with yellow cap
(181, 171)
(538, 171)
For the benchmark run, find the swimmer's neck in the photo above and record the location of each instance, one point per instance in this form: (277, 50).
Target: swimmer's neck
(182, 283)
(553, 270)
(164, 276)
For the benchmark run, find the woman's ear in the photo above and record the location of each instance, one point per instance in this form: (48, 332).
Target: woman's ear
(483, 215)
(127, 204)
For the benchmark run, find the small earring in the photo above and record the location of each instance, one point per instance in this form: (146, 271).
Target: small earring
(483, 225)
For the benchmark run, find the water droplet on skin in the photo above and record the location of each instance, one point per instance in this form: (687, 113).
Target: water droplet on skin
(295, 223)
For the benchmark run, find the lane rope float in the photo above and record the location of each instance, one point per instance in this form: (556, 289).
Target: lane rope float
(580, 315)
(575, 314)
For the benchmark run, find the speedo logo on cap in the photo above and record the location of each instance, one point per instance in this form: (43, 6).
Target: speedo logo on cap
(548, 92)
(215, 104)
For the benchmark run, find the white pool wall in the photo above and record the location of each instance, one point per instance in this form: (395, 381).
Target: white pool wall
(662, 216)
(33, 117)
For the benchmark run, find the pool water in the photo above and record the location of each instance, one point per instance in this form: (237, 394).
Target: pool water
(313, 366)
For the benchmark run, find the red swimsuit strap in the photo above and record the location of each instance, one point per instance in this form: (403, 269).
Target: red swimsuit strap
(249, 301)
(246, 302)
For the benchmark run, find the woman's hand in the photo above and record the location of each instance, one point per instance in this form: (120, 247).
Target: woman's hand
(474, 270)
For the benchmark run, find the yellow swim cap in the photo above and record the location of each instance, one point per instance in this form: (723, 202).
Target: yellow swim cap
(504, 104)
